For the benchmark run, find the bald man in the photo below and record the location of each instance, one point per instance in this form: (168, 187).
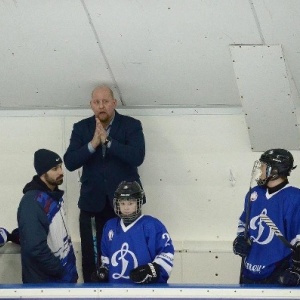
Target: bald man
(109, 147)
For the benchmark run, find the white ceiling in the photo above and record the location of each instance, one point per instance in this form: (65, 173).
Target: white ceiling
(154, 52)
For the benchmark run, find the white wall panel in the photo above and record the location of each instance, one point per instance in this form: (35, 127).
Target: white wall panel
(20, 138)
(196, 155)
(196, 173)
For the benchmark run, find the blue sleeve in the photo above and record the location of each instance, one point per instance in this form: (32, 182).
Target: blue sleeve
(292, 220)
(78, 152)
(105, 260)
(242, 219)
(162, 244)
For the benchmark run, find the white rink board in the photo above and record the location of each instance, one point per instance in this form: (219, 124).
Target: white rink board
(108, 291)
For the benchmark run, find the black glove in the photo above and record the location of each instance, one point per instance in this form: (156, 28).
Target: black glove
(291, 276)
(14, 236)
(145, 274)
(241, 246)
(101, 275)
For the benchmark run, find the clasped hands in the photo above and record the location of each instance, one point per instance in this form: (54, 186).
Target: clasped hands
(100, 134)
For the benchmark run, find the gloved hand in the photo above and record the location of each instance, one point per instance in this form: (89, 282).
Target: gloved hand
(14, 236)
(241, 246)
(101, 275)
(145, 274)
(291, 276)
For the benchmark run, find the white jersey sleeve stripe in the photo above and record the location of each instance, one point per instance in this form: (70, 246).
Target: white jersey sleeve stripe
(164, 264)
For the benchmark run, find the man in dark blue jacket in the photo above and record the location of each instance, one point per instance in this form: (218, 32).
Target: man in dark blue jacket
(109, 147)
(47, 253)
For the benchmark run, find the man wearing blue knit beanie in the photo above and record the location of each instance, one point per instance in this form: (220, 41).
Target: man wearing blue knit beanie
(47, 252)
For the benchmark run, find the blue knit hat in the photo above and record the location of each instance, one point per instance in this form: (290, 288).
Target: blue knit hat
(44, 160)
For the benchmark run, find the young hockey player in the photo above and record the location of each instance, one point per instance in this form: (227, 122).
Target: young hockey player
(267, 257)
(135, 248)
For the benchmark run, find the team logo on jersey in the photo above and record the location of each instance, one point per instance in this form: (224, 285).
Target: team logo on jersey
(110, 235)
(253, 196)
(261, 228)
(125, 258)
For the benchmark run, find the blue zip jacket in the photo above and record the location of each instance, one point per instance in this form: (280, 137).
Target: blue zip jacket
(47, 252)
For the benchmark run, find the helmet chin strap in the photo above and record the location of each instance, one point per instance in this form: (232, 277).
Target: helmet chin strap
(270, 178)
(131, 218)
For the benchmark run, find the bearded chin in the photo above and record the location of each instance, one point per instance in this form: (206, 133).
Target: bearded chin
(54, 181)
(59, 182)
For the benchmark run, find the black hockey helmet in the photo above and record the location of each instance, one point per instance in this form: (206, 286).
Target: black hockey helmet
(280, 163)
(128, 191)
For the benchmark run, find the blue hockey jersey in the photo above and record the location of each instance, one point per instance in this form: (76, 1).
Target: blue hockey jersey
(144, 241)
(283, 208)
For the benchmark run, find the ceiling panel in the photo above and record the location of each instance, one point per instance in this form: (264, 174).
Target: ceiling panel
(48, 54)
(280, 24)
(266, 97)
(154, 52)
(173, 52)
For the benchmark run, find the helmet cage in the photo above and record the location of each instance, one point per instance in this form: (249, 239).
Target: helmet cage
(133, 216)
(269, 175)
(128, 191)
